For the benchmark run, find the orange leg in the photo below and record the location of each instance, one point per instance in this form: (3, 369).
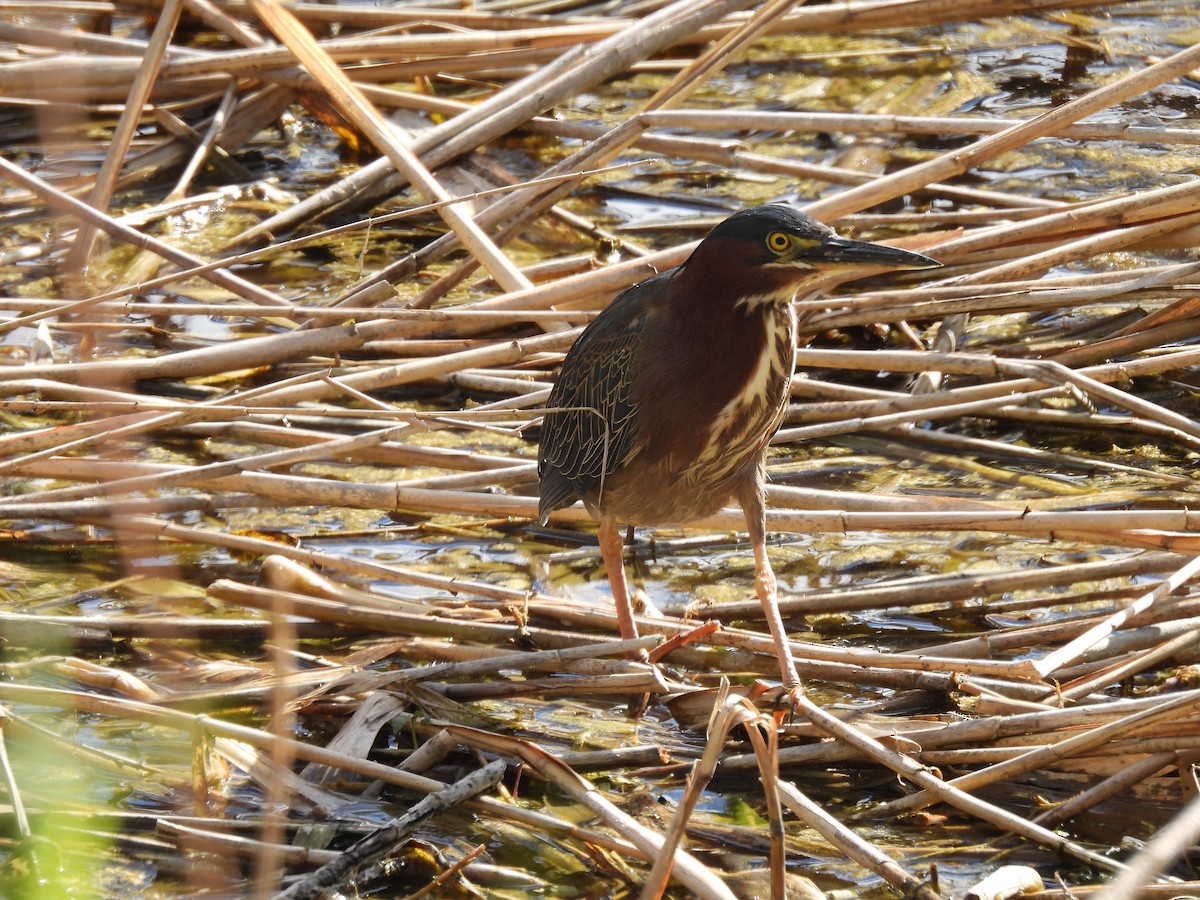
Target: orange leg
(613, 552)
(751, 497)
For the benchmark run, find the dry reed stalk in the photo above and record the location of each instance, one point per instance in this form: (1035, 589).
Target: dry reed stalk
(884, 123)
(1140, 661)
(13, 786)
(387, 454)
(1116, 238)
(921, 408)
(39, 629)
(688, 870)
(497, 353)
(1090, 376)
(959, 160)
(805, 651)
(874, 14)
(210, 840)
(23, 728)
(407, 623)
(251, 115)
(434, 319)
(728, 712)
(552, 659)
(946, 793)
(263, 60)
(1165, 202)
(350, 566)
(948, 590)
(525, 208)
(1133, 774)
(989, 729)
(46, 442)
(263, 740)
(440, 317)
(106, 78)
(510, 213)
(391, 16)
(577, 70)
(858, 16)
(139, 92)
(949, 450)
(64, 204)
(1085, 641)
(1077, 287)
(360, 112)
(1086, 354)
(736, 156)
(616, 684)
(856, 848)
(1076, 745)
(1165, 890)
(387, 839)
(1136, 637)
(1169, 843)
(227, 357)
(1016, 301)
(206, 144)
(214, 473)
(1163, 529)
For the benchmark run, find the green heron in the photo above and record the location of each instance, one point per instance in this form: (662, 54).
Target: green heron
(664, 406)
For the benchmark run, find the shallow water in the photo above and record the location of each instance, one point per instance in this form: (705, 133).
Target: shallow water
(1008, 67)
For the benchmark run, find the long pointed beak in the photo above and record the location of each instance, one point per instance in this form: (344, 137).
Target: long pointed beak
(840, 250)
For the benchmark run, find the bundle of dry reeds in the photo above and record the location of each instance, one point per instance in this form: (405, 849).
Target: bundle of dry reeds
(271, 402)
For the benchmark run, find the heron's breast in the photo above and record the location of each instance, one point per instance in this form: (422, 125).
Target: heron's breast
(744, 425)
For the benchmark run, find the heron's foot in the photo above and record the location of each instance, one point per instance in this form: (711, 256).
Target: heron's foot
(786, 704)
(782, 700)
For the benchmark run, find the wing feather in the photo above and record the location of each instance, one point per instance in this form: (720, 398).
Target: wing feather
(596, 432)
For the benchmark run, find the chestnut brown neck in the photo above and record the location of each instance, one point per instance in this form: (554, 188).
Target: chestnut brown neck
(709, 347)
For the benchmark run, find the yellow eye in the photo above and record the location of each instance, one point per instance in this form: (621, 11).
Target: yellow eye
(778, 241)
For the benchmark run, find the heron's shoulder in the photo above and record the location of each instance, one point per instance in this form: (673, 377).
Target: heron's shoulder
(625, 317)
